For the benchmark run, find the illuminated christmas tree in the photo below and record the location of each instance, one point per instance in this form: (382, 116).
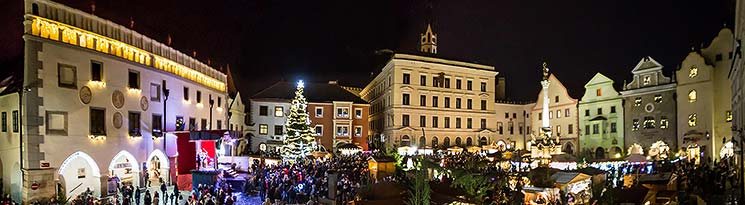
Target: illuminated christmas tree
(299, 141)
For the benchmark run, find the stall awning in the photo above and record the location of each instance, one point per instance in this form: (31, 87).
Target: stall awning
(212, 134)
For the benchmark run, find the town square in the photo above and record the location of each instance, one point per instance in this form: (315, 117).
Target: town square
(417, 102)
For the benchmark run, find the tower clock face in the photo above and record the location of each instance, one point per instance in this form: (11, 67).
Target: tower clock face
(85, 95)
(117, 98)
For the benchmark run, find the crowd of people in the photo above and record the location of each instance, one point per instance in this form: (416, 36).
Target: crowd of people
(306, 182)
(212, 195)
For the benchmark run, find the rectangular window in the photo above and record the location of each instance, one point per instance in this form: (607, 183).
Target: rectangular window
(263, 129)
(423, 80)
(457, 103)
(157, 124)
(279, 130)
(458, 84)
(422, 121)
(558, 130)
(407, 78)
(598, 92)
(319, 130)
(566, 112)
(434, 121)
(154, 92)
(558, 114)
(506, 115)
(97, 121)
(570, 129)
(423, 100)
(500, 128)
(600, 111)
(728, 116)
(550, 114)
(358, 113)
(612, 127)
(635, 125)
(405, 120)
(342, 112)
(186, 93)
(342, 130)
(134, 124)
(527, 129)
(405, 99)
(469, 104)
(556, 99)
(520, 129)
(649, 122)
(483, 124)
(447, 102)
(457, 123)
(134, 80)
(435, 101)
(587, 112)
(469, 123)
(5, 122)
(637, 102)
(199, 97)
(263, 110)
(319, 112)
(219, 101)
(447, 83)
(96, 71)
(612, 109)
(587, 129)
(691, 120)
(279, 111)
(483, 86)
(447, 122)
(514, 115)
(192, 123)
(663, 122)
(67, 76)
(357, 131)
(469, 85)
(219, 124)
(595, 129)
(436, 81)
(540, 116)
(483, 104)
(658, 98)
(56, 123)
(204, 124)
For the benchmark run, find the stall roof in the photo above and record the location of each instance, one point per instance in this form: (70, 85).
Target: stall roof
(568, 177)
(659, 178)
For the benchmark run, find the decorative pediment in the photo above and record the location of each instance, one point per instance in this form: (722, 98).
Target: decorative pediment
(407, 128)
(407, 88)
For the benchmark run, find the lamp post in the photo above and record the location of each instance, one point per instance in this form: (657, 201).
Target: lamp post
(166, 93)
(212, 104)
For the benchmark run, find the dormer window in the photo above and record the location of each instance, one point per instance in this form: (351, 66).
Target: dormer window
(647, 80)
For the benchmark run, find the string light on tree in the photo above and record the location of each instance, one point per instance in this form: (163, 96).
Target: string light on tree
(299, 141)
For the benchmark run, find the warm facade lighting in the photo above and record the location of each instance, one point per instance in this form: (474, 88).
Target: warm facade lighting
(49, 29)
(96, 84)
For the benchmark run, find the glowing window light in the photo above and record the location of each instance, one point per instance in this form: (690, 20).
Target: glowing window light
(50, 29)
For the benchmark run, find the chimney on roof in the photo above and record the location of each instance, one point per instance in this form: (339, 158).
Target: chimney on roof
(333, 82)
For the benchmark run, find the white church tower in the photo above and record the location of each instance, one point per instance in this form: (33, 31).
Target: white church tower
(428, 41)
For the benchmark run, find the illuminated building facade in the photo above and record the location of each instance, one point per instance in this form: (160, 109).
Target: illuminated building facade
(649, 106)
(94, 105)
(601, 119)
(704, 96)
(737, 74)
(337, 116)
(561, 112)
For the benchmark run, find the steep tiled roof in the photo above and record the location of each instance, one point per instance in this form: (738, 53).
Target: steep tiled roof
(314, 92)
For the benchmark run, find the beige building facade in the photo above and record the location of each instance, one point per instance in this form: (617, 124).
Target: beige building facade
(562, 115)
(704, 96)
(601, 120)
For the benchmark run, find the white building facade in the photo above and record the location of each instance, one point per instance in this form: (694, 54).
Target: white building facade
(95, 107)
(562, 114)
(704, 96)
(601, 119)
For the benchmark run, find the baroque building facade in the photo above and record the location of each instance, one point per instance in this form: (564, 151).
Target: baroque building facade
(737, 74)
(100, 87)
(649, 106)
(337, 116)
(601, 119)
(704, 96)
(562, 115)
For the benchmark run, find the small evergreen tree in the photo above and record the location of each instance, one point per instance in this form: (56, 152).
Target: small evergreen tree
(299, 141)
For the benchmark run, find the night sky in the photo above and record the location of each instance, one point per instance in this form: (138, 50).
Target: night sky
(268, 40)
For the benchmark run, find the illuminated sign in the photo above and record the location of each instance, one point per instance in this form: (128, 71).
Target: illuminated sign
(53, 30)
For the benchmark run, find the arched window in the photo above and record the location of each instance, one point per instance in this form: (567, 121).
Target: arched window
(35, 9)
(446, 142)
(483, 141)
(434, 142)
(422, 141)
(692, 96)
(405, 141)
(457, 141)
(469, 142)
